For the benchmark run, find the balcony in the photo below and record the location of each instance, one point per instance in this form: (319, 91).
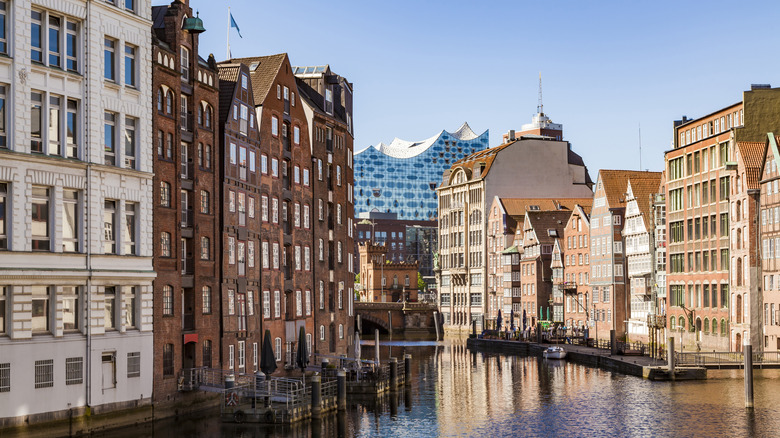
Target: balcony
(187, 266)
(188, 322)
(186, 218)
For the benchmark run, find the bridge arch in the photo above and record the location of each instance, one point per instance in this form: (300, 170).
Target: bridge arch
(370, 323)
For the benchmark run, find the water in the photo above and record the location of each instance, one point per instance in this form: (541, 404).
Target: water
(455, 392)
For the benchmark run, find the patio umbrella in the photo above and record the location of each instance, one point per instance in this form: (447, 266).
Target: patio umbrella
(357, 346)
(267, 359)
(498, 320)
(302, 354)
(512, 320)
(548, 313)
(525, 319)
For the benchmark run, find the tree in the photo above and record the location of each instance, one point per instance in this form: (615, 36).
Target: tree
(420, 283)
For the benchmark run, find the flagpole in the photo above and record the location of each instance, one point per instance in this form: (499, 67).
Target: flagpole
(228, 34)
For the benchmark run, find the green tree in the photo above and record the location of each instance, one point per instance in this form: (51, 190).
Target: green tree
(420, 283)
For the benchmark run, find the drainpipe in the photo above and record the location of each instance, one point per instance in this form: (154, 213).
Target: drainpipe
(88, 235)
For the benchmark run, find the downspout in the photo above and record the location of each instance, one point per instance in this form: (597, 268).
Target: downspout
(88, 235)
(756, 287)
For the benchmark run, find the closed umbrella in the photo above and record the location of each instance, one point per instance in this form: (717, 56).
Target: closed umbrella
(302, 354)
(548, 313)
(525, 319)
(498, 320)
(512, 320)
(357, 346)
(267, 358)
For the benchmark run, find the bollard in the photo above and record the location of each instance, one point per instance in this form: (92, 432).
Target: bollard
(612, 343)
(393, 373)
(747, 351)
(408, 399)
(436, 323)
(670, 357)
(316, 396)
(407, 369)
(394, 405)
(390, 322)
(474, 328)
(324, 366)
(376, 346)
(341, 424)
(539, 333)
(341, 393)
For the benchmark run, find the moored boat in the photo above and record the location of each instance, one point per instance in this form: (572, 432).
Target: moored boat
(554, 352)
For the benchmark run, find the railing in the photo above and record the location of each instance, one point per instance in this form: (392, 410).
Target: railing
(723, 358)
(186, 218)
(187, 266)
(189, 322)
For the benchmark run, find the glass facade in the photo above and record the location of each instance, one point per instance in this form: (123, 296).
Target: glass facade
(402, 177)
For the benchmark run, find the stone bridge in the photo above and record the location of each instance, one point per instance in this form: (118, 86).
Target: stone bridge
(407, 319)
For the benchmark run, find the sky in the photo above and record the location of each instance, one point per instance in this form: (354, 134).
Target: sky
(610, 69)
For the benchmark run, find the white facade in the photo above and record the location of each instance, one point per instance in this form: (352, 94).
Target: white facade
(76, 169)
(639, 257)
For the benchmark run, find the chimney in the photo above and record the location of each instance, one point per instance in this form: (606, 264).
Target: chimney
(760, 87)
(511, 135)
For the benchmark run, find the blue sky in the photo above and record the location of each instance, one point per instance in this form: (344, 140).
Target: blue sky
(607, 67)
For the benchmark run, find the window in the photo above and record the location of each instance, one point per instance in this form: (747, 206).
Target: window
(3, 134)
(184, 112)
(206, 297)
(74, 370)
(109, 222)
(40, 219)
(36, 36)
(308, 303)
(231, 250)
(167, 299)
(130, 79)
(274, 167)
(169, 102)
(277, 304)
(109, 306)
(231, 302)
(70, 219)
(165, 244)
(129, 294)
(3, 27)
(274, 127)
(44, 373)
(130, 234)
(266, 304)
(297, 135)
(205, 248)
(207, 353)
(109, 59)
(278, 349)
(168, 360)
(241, 354)
(109, 138)
(185, 64)
(130, 143)
(36, 127)
(205, 206)
(208, 157)
(134, 364)
(40, 309)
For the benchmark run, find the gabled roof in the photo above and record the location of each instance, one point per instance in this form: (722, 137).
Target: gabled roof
(228, 76)
(543, 221)
(615, 183)
(584, 214)
(752, 158)
(519, 206)
(511, 250)
(771, 143)
(486, 156)
(643, 189)
(262, 71)
(557, 249)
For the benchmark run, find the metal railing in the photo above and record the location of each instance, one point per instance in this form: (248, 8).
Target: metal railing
(724, 358)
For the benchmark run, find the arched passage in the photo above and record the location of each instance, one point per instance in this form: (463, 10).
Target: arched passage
(371, 323)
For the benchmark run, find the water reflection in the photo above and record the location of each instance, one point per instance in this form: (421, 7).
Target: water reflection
(456, 392)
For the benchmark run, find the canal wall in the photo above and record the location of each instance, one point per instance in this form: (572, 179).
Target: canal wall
(639, 366)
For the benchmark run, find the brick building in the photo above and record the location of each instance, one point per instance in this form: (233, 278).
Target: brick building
(187, 200)
(770, 243)
(700, 182)
(384, 280)
(576, 267)
(327, 102)
(286, 189)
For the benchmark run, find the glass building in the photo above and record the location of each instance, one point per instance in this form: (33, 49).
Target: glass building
(402, 177)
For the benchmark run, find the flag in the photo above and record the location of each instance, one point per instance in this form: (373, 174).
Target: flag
(233, 24)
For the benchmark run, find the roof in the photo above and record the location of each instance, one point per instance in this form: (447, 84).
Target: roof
(544, 221)
(486, 156)
(510, 250)
(406, 149)
(262, 71)
(519, 206)
(643, 188)
(158, 14)
(615, 183)
(228, 76)
(752, 157)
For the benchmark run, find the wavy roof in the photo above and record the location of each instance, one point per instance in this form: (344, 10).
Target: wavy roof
(407, 149)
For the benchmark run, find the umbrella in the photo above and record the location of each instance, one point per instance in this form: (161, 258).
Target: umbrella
(525, 319)
(498, 320)
(302, 354)
(512, 320)
(357, 346)
(267, 359)
(548, 313)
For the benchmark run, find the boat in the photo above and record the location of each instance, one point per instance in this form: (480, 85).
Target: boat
(554, 353)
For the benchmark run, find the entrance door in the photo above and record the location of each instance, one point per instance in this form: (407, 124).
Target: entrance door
(109, 370)
(188, 360)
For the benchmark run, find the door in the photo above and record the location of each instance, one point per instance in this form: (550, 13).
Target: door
(109, 370)
(188, 360)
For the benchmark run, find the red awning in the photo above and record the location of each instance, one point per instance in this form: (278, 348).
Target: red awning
(192, 337)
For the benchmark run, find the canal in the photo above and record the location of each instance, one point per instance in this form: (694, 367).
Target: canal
(455, 392)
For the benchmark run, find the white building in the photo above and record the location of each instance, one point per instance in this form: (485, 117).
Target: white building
(638, 235)
(75, 208)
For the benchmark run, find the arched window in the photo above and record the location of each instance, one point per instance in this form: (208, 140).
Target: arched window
(395, 280)
(208, 117)
(698, 324)
(738, 310)
(724, 328)
(739, 238)
(160, 100)
(739, 208)
(167, 300)
(706, 325)
(341, 331)
(739, 271)
(169, 102)
(165, 244)
(406, 281)
(714, 326)
(681, 323)
(672, 323)
(200, 115)
(206, 297)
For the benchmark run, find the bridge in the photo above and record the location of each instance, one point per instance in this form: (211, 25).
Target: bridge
(407, 319)
(726, 359)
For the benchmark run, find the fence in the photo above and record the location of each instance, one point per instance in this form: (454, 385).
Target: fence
(716, 359)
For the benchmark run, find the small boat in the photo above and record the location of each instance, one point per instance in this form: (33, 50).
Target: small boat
(554, 353)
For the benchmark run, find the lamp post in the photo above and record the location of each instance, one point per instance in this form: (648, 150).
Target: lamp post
(382, 283)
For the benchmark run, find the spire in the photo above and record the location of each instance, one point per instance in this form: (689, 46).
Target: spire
(540, 107)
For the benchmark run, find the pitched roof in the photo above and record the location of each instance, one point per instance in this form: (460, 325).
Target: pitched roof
(228, 75)
(519, 206)
(752, 157)
(262, 70)
(485, 156)
(643, 188)
(543, 221)
(615, 183)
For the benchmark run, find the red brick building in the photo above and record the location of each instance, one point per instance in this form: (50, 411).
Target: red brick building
(576, 267)
(285, 195)
(327, 101)
(385, 281)
(187, 201)
(239, 222)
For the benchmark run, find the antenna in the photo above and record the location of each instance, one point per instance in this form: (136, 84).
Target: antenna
(640, 146)
(540, 106)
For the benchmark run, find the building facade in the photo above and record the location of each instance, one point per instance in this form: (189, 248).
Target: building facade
(576, 267)
(187, 304)
(699, 184)
(770, 242)
(385, 281)
(326, 99)
(76, 197)
(402, 177)
(525, 167)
